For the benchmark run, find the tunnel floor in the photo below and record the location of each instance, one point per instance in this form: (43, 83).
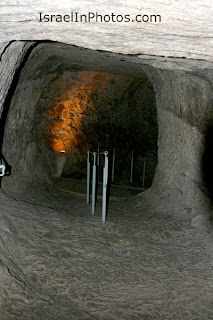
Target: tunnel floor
(79, 187)
(58, 262)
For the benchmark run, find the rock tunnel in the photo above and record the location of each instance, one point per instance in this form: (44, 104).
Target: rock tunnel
(52, 74)
(50, 103)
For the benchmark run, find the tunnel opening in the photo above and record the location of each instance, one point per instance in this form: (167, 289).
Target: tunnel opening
(95, 110)
(207, 160)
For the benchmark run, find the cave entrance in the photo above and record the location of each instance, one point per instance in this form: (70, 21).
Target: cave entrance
(100, 111)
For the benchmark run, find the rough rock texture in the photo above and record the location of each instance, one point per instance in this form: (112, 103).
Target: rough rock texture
(185, 31)
(11, 55)
(58, 262)
(153, 258)
(184, 109)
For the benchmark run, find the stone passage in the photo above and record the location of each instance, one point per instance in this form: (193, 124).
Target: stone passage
(153, 258)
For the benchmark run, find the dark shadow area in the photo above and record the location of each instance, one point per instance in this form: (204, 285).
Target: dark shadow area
(207, 162)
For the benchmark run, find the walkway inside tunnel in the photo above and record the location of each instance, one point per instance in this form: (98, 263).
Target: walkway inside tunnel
(139, 265)
(153, 257)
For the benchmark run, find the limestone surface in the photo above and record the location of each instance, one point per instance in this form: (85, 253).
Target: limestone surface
(185, 29)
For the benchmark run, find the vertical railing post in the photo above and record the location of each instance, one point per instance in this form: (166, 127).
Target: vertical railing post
(132, 162)
(113, 164)
(144, 171)
(94, 184)
(98, 164)
(105, 179)
(88, 176)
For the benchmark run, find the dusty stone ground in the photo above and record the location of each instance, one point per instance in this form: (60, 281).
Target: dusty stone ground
(58, 262)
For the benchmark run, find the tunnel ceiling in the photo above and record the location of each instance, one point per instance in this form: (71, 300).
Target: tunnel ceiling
(185, 29)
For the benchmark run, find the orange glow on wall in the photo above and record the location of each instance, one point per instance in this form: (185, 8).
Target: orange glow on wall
(76, 93)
